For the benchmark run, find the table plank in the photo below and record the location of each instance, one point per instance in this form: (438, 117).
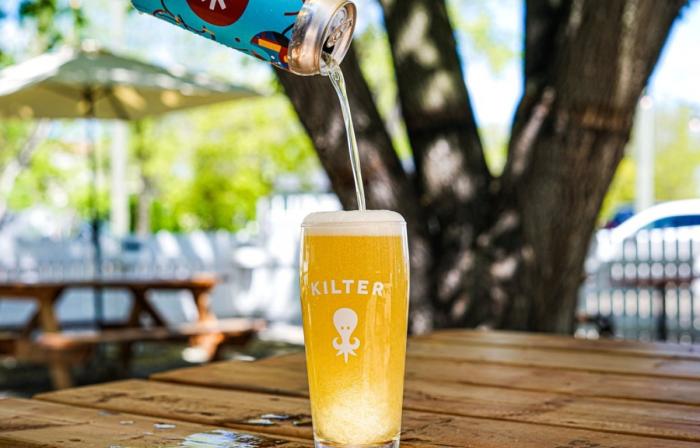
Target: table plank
(542, 379)
(560, 342)
(233, 408)
(286, 380)
(557, 409)
(286, 375)
(561, 360)
(617, 416)
(34, 424)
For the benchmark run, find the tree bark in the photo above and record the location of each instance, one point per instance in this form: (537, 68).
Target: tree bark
(505, 252)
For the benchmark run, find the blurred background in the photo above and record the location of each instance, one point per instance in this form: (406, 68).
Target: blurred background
(221, 189)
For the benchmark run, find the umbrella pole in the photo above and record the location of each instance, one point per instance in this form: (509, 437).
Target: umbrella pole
(94, 207)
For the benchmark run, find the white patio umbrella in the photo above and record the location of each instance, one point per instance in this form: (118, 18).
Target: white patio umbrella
(90, 83)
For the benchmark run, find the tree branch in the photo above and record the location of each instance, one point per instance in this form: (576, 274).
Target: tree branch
(436, 107)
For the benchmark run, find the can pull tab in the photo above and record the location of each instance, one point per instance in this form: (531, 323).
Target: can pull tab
(341, 23)
(337, 38)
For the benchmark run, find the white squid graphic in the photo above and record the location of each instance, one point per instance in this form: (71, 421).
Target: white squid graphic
(214, 3)
(345, 321)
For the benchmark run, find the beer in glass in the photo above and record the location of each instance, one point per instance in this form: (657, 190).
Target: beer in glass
(354, 294)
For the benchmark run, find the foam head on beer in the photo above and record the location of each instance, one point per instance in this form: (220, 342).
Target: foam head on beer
(354, 290)
(368, 222)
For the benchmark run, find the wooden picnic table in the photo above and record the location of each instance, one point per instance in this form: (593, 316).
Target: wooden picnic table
(54, 346)
(463, 389)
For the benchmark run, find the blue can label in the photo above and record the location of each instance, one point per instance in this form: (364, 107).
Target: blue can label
(260, 28)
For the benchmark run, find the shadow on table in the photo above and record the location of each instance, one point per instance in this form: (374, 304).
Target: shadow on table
(26, 380)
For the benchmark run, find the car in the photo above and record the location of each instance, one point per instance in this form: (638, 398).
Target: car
(682, 215)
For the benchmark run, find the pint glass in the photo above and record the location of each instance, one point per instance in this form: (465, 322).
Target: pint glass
(354, 295)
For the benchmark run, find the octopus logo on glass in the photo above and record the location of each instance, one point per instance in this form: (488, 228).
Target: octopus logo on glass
(345, 321)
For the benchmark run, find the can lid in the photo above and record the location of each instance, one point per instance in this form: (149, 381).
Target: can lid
(323, 28)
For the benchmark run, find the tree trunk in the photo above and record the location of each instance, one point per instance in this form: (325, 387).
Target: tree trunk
(567, 145)
(505, 252)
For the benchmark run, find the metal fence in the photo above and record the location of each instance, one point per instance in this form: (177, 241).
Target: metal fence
(645, 287)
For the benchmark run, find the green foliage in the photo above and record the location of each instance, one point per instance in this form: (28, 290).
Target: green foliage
(622, 190)
(208, 168)
(44, 20)
(13, 134)
(224, 189)
(54, 178)
(677, 157)
(54, 22)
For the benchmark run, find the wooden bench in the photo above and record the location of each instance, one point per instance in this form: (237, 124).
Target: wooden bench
(229, 328)
(76, 347)
(238, 331)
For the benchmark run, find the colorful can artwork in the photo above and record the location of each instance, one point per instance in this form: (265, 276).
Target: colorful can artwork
(290, 34)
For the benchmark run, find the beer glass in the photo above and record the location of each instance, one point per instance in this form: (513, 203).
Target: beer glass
(354, 296)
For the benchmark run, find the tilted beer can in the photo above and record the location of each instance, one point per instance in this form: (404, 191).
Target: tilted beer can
(290, 34)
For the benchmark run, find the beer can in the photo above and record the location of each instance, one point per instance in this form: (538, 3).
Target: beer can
(300, 36)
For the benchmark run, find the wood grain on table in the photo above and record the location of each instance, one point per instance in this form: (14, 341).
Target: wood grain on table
(463, 389)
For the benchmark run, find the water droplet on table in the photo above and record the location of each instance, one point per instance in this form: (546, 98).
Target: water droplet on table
(227, 439)
(275, 417)
(164, 426)
(260, 422)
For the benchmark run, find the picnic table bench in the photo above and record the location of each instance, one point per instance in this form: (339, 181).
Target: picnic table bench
(60, 349)
(463, 389)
